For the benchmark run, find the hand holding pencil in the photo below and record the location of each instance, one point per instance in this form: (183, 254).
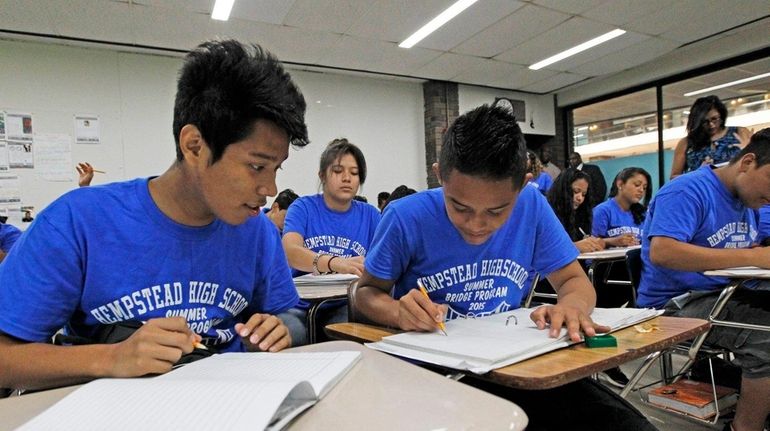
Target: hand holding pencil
(86, 173)
(416, 312)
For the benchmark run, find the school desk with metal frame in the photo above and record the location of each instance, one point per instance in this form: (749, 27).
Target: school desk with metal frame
(565, 365)
(378, 393)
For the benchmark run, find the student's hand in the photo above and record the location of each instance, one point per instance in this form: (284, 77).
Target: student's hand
(625, 240)
(589, 244)
(572, 318)
(349, 265)
(154, 348)
(264, 332)
(418, 313)
(86, 172)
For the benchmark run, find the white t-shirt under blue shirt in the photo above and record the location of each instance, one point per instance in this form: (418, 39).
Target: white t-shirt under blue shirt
(610, 220)
(104, 254)
(416, 239)
(697, 209)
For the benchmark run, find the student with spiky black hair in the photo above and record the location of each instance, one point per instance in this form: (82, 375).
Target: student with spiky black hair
(186, 252)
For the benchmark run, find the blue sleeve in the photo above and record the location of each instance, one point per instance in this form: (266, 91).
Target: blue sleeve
(10, 234)
(764, 223)
(373, 223)
(389, 253)
(296, 218)
(676, 215)
(277, 292)
(547, 182)
(41, 278)
(553, 249)
(601, 221)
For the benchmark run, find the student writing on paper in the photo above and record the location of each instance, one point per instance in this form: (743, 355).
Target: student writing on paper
(618, 220)
(188, 251)
(570, 199)
(472, 243)
(707, 220)
(329, 231)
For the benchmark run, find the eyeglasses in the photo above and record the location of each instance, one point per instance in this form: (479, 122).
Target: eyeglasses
(713, 120)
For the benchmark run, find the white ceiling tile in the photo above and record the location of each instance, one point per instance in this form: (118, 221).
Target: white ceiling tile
(627, 58)
(619, 12)
(523, 77)
(395, 20)
(673, 15)
(268, 11)
(23, 15)
(554, 83)
(718, 20)
(575, 7)
(476, 18)
(488, 72)
(198, 6)
(447, 66)
(166, 28)
(522, 25)
(618, 44)
(564, 36)
(377, 56)
(95, 19)
(326, 15)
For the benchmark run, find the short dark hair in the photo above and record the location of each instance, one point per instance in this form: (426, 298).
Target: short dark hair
(338, 148)
(485, 142)
(759, 145)
(285, 198)
(361, 198)
(382, 197)
(398, 193)
(224, 87)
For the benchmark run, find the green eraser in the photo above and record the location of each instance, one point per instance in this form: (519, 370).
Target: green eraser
(605, 340)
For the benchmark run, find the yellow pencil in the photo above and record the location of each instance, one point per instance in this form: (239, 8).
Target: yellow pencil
(198, 345)
(425, 293)
(98, 171)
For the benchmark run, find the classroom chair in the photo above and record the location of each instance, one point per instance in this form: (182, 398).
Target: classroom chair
(354, 314)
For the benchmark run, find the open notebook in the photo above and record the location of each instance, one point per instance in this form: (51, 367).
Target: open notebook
(251, 391)
(485, 343)
(315, 280)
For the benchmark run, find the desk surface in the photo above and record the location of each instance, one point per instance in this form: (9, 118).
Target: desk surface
(741, 272)
(610, 253)
(565, 365)
(328, 291)
(379, 393)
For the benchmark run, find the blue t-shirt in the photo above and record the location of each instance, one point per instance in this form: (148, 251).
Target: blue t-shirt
(8, 236)
(609, 221)
(764, 223)
(104, 254)
(543, 182)
(695, 209)
(325, 231)
(417, 239)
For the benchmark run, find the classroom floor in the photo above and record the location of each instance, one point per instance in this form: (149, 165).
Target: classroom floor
(663, 420)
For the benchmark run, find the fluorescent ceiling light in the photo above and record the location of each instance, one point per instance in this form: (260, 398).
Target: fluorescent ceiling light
(222, 10)
(728, 84)
(577, 49)
(758, 102)
(435, 23)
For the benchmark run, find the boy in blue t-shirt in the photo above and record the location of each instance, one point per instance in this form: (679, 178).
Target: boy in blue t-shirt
(707, 220)
(471, 244)
(187, 253)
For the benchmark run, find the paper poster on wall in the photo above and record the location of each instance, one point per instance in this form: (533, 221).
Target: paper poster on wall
(20, 155)
(10, 191)
(4, 167)
(2, 125)
(87, 129)
(18, 127)
(53, 156)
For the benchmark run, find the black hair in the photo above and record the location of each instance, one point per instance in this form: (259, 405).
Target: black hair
(487, 143)
(639, 209)
(224, 87)
(560, 196)
(697, 130)
(360, 198)
(285, 198)
(338, 148)
(535, 166)
(398, 193)
(382, 197)
(759, 145)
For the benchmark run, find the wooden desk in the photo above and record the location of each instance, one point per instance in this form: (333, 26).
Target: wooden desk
(317, 295)
(379, 393)
(565, 365)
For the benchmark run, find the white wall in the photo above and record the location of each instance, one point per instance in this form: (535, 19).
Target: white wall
(538, 107)
(133, 94)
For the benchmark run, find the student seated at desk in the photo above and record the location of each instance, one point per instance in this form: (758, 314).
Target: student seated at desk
(187, 252)
(570, 199)
(277, 211)
(471, 243)
(707, 220)
(618, 220)
(330, 231)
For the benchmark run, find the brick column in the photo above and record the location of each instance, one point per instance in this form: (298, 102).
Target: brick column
(441, 109)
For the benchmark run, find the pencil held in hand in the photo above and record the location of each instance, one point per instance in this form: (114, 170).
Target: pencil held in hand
(425, 293)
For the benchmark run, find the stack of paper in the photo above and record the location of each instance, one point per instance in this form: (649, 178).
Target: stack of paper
(317, 280)
(483, 344)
